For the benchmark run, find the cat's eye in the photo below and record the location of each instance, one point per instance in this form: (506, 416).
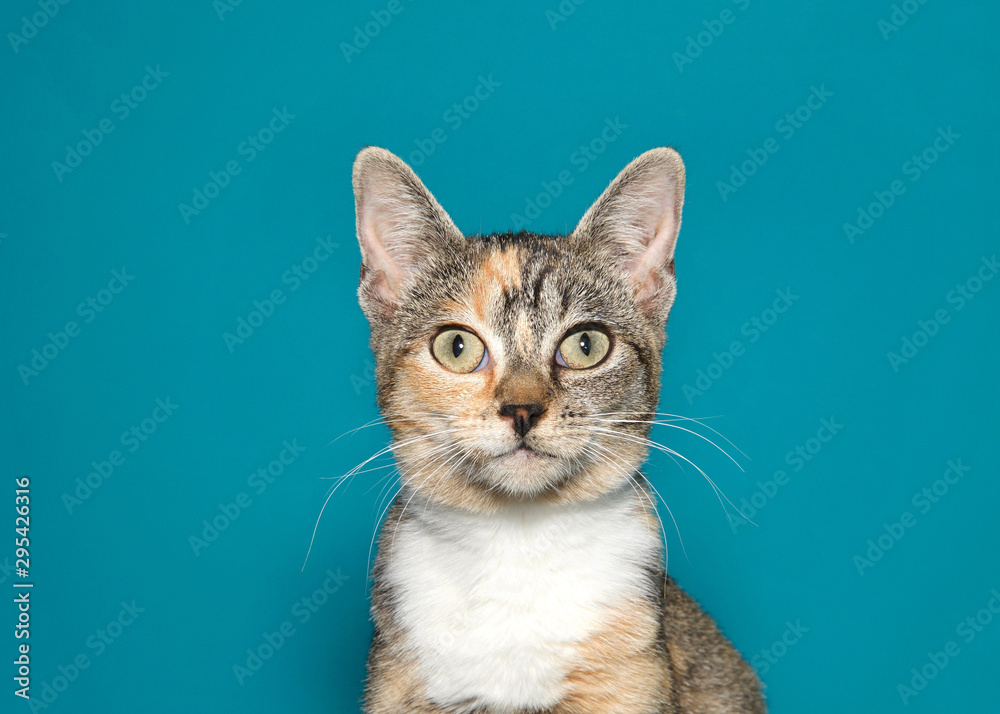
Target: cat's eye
(459, 350)
(583, 349)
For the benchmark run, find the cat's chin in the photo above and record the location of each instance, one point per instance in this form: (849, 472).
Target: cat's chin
(527, 473)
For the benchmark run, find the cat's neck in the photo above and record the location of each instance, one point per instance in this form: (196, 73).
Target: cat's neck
(628, 500)
(515, 590)
(621, 521)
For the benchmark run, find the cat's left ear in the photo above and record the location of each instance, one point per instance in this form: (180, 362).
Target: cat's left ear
(635, 224)
(402, 230)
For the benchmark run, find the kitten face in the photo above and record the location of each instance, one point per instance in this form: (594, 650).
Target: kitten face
(502, 359)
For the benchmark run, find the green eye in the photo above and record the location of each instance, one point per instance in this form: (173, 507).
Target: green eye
(459, 350)
(583, 349)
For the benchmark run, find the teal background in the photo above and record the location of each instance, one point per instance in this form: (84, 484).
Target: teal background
(305, 373)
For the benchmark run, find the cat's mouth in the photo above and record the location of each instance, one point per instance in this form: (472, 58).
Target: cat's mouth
(523, 452)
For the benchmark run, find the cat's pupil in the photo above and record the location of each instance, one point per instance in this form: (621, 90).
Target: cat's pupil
(585, 344)
(457, 345)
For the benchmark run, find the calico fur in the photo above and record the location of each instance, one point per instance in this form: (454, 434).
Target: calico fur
(522, 573)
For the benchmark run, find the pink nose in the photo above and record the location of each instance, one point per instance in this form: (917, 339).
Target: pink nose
(524, 416)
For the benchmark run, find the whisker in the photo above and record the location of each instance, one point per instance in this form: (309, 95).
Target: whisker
(660, 447)
(460, 454)
(405, 505)
(655, 510)
(674, 426)
(678, 417)
(371, 546)
(363, 471)
(391, 417)
(385, 488)
(387, 449)
(405, 481)
(383, 480)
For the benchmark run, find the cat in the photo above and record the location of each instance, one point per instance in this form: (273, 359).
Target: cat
(520, 568)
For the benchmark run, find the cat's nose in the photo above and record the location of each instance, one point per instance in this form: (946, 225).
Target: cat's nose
(524, 416)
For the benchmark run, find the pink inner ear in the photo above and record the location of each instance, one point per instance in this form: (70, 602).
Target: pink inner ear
(377, 224)
(658, 252)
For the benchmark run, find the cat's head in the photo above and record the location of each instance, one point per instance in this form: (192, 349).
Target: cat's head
(517, 366)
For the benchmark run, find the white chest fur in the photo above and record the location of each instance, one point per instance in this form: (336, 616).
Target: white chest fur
(496, 606)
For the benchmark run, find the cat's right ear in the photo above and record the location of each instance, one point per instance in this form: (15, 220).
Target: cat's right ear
(634, 224)
(401, 229)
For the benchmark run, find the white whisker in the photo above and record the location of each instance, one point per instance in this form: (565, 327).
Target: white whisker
(674, 426)
(385, 450)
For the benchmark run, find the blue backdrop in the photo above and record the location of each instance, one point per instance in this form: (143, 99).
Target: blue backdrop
(182, 342)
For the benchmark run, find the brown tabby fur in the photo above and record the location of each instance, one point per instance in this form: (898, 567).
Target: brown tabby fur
(521, 293)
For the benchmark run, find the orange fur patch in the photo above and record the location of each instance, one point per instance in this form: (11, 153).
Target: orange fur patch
(498, 272)
(621, 669)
